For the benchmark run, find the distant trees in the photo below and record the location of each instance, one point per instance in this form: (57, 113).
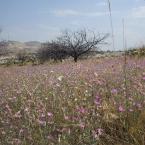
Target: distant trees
(22, 56)
(4, 48)
(74, 44)
(140, 51)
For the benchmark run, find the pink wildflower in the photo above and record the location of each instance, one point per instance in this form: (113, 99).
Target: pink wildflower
(50, 114)
(121, 109)
(66, 117)
(114, 91)
(97, 100)
(81, 110)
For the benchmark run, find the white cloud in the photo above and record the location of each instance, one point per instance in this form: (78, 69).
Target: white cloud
(138, 12)
(69, 12)
(65, 13)
(101, 4)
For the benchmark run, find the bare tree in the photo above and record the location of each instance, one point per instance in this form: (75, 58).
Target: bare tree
(74, 44)
(80, 42)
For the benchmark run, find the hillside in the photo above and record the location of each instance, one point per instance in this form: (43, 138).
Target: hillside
(30, 46)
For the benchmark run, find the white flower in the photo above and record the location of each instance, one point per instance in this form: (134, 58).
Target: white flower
(60, 78)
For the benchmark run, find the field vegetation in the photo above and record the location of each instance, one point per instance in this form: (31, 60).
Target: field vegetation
(92, 102)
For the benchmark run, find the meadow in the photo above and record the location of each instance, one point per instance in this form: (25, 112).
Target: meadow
(92, 102)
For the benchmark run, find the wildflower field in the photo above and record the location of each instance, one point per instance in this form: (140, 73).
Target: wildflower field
(92, 102)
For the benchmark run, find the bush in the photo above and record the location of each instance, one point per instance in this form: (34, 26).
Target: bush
(22, 57)
(4, 48)
(137, 51)
(52, 50)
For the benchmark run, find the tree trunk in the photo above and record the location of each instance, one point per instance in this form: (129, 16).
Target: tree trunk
(75, 59)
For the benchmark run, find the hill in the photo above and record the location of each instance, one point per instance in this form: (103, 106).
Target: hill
(30, 46)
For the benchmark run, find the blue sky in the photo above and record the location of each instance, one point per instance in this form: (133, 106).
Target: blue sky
(42, 20)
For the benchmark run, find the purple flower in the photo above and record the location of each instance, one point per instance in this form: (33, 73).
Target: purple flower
(114, 91)
(97, 100)
(81, 110)
(121, 109)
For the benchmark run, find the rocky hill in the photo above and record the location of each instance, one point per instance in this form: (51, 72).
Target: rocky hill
(31, 46)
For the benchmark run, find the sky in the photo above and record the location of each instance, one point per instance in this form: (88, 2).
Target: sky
(44, 20)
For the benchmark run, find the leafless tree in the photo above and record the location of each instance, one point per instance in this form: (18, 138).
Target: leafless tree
(80, 42)
(71, 44)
